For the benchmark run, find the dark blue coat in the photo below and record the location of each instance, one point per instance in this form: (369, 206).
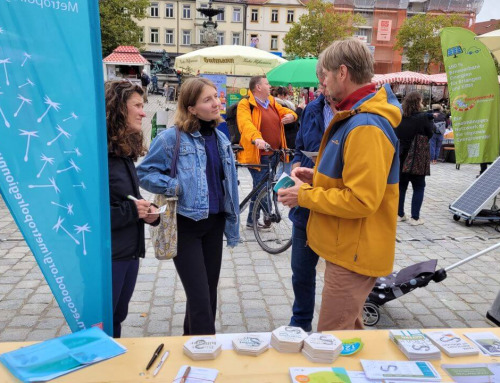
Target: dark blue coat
(312, 127)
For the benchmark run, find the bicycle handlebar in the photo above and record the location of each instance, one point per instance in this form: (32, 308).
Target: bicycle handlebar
(268, 148)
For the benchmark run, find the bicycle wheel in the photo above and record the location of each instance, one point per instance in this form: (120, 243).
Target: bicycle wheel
(271, 225)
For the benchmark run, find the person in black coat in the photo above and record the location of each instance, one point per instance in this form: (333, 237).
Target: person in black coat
(414, 123)
(129, 211)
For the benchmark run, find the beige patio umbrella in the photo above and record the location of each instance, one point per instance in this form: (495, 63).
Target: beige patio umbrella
(492, 41)
(228, 59)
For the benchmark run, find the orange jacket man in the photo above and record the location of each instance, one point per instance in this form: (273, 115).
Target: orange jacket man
(261, 126)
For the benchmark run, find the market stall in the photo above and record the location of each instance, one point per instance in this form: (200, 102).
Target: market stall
(271, 366)
(125, 62)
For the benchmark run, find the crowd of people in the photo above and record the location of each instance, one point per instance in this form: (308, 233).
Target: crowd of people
(345, 203)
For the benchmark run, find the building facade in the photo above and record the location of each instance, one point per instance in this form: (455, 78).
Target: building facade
(268, 21)
(175, 25)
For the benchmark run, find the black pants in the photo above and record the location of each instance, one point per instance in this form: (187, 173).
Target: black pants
(124, 278)
(198, 263)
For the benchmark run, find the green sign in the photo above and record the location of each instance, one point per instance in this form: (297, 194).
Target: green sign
(474, 96)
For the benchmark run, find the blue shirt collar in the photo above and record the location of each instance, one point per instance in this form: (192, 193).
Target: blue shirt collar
(264, 104)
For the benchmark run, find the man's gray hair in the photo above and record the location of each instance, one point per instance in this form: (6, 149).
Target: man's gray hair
(352, 53)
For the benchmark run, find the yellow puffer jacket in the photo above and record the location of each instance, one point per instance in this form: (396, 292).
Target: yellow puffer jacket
(354, 197)
(249, 127)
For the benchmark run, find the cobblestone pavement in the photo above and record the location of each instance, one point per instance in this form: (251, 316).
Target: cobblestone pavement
(255, 292)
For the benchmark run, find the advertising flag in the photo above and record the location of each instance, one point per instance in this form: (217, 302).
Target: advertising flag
(53, 151)
(474, 96)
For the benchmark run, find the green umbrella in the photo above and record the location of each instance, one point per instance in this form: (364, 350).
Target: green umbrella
(301, 72)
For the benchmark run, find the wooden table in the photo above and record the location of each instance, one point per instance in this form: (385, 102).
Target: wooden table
(270, 367)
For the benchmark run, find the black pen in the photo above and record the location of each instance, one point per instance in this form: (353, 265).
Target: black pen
(155, 355)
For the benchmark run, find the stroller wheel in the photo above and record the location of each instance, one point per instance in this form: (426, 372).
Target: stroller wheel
(456, 217)
(371, 314)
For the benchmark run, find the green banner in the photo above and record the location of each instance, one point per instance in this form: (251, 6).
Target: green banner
(474, 96)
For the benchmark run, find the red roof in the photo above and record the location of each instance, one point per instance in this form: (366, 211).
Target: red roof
(486, 26)
(126, 55)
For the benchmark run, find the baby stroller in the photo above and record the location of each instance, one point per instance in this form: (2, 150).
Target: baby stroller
(408, 279)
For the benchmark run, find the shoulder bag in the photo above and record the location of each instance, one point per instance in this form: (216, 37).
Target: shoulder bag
(418, 160)
(164, 235)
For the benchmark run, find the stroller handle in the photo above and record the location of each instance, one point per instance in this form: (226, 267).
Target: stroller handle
(478, 254)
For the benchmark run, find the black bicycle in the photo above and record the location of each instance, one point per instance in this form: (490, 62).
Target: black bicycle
(271, 225)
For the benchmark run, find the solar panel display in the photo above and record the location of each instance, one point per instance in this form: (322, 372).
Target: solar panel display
(485, 188)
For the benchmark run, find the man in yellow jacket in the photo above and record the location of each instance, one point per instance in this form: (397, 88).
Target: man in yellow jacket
(261, 123)
(352, 192)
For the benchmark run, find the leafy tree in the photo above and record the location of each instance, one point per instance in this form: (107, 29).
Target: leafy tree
(420, 35)
(318, 28)
(118, 25)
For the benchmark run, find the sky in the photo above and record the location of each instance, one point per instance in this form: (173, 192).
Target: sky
(490, 10)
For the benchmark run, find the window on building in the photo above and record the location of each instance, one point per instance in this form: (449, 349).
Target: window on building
(141, 37)
(368, 16)
(154, 36)
(153, 10)
(236, 39)
(254, 40)
(220, 38)
(236, 15)
(200, 36)
(364, 34)
(169, 36)
(186, 37)
(254, 15)
(201, 15)
(220, 16)
(169, 10)
(290, 16)
(186, 11)
(274, 16)
(274, 42)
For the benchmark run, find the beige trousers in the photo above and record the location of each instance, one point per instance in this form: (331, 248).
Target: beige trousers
(344, 295)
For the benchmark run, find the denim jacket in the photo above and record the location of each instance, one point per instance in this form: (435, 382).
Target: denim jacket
(190, 185)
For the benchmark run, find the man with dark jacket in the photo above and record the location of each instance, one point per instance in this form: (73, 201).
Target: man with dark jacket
(315, 119)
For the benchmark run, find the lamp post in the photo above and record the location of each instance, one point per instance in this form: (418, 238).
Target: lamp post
(426, 62)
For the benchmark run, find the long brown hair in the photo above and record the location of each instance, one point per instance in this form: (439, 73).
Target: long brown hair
(412, 104)
(189, 95)
(121, 142)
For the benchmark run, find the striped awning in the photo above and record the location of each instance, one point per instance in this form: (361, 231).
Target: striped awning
(406, 77)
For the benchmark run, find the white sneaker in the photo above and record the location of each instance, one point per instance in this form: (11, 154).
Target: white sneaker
(403, 218)
(416, 222)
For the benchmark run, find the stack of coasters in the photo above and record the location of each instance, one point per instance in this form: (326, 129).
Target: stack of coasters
(414, 344)
(202, 348)
(250, 344)
(451, 343)
(322, 348)
(288, 339)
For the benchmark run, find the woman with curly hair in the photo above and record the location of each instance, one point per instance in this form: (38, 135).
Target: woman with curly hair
(414, 122)
(207, 189)
(129, 211)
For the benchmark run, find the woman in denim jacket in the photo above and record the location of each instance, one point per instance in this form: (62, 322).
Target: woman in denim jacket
(207, 188)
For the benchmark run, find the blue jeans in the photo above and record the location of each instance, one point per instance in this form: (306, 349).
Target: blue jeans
(435, 143)
(418, 185)
(304, 262)
(257, 176)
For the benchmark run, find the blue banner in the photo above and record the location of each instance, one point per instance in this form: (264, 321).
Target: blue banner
(53, 151)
